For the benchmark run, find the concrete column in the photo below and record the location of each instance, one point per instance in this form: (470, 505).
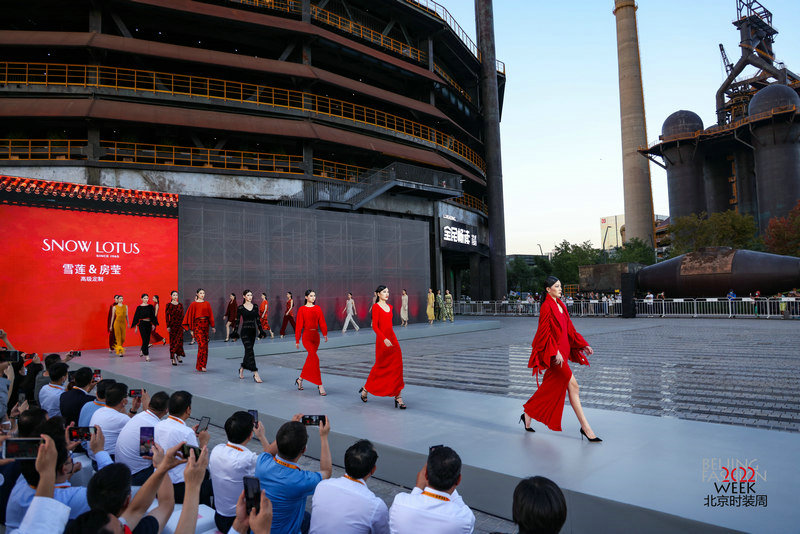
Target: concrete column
(437, 281)
(95, 19)
(635, 168)
(305, 10)
(475, 288)
(484, 17)
(308, 159)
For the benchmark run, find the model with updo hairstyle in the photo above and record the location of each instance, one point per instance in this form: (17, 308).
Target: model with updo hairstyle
(251, 325)
(199, 319)
(310, 321)
(230, 318)
(156, 337)
(386, 376)
(288, 318)
(144, 318)
(173, 313)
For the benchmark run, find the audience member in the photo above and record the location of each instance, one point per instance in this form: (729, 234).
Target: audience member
(259, 522)
(74, 398)
(285, 483)
(128, 449)
(50, 395)
(173, 430)
(43, 378)
(194, 476)
(346, 505)
(90, 407)
(433, 505)
(231, 461)
(539, 506)
(113, 417)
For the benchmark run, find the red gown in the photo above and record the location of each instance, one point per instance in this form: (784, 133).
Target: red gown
(174, 316)
(198, 318)
(309, 322)
(264, 317)
(386, 377)
(155, 337)
(554, 334)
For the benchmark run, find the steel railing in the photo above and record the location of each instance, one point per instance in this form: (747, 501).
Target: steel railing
(57, 74)
(471, 202)
(43, 149)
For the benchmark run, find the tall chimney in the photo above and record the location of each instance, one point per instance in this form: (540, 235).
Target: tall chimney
(635, 168)
(484, 18)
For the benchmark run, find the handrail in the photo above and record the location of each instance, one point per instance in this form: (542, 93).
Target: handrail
(58, 74)
(438, 70)
(42, 149)
(471, 202)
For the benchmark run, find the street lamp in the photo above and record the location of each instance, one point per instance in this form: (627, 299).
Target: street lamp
(540, 249)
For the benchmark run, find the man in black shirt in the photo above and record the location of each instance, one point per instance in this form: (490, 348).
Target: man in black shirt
(72, 401)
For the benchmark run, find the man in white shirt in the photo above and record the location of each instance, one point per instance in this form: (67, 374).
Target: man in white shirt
(50, 395)
(346, 505)
(128, 450)
(232, 461)
(433, 505)
(113, 417)
(172, 431)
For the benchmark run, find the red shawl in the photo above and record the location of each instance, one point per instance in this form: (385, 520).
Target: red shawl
(550, 338)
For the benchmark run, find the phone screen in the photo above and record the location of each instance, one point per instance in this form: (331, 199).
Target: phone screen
(21, 398)
(254, 413)
(9, 356)
(81, 433)
(203, 425)
(313, 420)
(134, 393)
(146, 439)
(22, 448)
(186, 450)
(97, 375)
(252, 493)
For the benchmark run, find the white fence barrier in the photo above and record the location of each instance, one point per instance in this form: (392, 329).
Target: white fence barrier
(767, 308)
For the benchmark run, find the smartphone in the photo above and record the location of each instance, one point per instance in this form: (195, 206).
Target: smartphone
(81, 433)
(146, 440)
(254, 413)
(75, 353)
(5, 427)
(135, 393)
(21, 448)
(71, 375)
(21, 398)
(203, 425)
(186, 448)
(12, 356)
(97, 376)
(313, 420)
(252, 493)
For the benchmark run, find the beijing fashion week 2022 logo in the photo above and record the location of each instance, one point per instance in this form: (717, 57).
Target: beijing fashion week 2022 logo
(733, 482)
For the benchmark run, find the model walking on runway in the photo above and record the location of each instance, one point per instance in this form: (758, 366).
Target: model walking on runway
(386, 377)
(310, 321)
(448, 306)
(429, 309)
(438, 307)
(155, 337)
(263, 311)
(199, 317)
(251, 322)
(120, 325)
(110, 324)
(350, 310)
(404, 309)
(231, 321)
(173, 313)
(288, 318)
(556, 341)
(143, 320)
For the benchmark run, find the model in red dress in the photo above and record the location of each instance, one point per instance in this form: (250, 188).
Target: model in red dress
(173, 313)
(199, 317)
(263, 314)
(555, 342)
(155, 337)
(112, 341)
(231, 318)
(310, 322)
(386, 377)
(288, 318)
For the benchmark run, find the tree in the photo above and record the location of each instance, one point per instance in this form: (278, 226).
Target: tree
(722, 229)
(519, 275)
(783, 234)
(568, 257)
(634, 251)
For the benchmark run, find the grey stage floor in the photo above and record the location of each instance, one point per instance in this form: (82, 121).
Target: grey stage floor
(465, 388)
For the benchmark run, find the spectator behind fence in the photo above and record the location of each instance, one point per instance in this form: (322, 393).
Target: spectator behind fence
(72, 400)
(230, 462)
(285, 483)
(346, 505)
(88, 409)
(50, 395)
(128, 449)
(113, 417)
(173, 430)
(539, 506)
(112, 509)
(433, 505)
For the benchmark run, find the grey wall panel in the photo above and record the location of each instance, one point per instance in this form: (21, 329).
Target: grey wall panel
(227, 246)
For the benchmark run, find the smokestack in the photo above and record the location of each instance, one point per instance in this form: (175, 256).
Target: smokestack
(635, 168)
(484, 19)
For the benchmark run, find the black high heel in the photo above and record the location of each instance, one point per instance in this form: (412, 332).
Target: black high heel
(398, 404)
(321, 393)
(298, 383)
(593, 440)
(361, 393)
(522, 420)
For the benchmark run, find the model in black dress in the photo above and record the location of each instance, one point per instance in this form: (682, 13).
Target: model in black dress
(145, 319)
(251, 322)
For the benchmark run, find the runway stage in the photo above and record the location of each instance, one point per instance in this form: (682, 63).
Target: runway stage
(651, 474)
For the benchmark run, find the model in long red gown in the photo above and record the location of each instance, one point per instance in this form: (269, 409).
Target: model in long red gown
(386, 377)
(554, 334)
(310, 322)
(155, 337)
(199, 317)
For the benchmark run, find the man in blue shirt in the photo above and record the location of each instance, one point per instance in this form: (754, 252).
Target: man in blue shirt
(88, 409)
(285, 483)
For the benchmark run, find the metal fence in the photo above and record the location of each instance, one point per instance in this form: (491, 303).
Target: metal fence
(766, 308)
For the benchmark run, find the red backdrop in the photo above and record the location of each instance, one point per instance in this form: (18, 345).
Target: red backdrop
(59, 272)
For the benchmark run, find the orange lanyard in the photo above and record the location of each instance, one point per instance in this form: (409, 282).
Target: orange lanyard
(284, 464)
(234, 447)
(429, 494)
(348, 477)
(177, 420)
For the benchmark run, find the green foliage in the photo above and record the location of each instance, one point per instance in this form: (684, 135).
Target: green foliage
(569, 257)
(524, 277)
(783, 234)
(634, 251)
(723, 229)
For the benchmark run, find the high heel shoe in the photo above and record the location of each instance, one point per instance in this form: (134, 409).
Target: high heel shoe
(321, 392)
(299, 384)
(522, 420)
(147, 358)
(363, 394)
(399, 403)
(173, 361)
(593, 440)
(241, 373)
(257, 379)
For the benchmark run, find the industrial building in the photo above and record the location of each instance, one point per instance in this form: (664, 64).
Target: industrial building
(375, 107)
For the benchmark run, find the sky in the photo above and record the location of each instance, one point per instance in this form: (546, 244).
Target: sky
(560, 129)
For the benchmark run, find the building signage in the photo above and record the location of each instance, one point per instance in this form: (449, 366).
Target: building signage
(458, 236)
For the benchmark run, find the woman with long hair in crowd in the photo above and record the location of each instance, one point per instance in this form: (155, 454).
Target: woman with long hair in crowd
(199, 318)
(310, 321)
(155, 337)
(143, 320)
(263, 314)
(386, 376)
(555, 342)
(173, 313)
(120, 324)
(251, 322)
(230, 318)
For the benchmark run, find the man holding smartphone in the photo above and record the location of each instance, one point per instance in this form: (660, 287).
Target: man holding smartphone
(73, 400)
(128, 441)
(113, 417)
